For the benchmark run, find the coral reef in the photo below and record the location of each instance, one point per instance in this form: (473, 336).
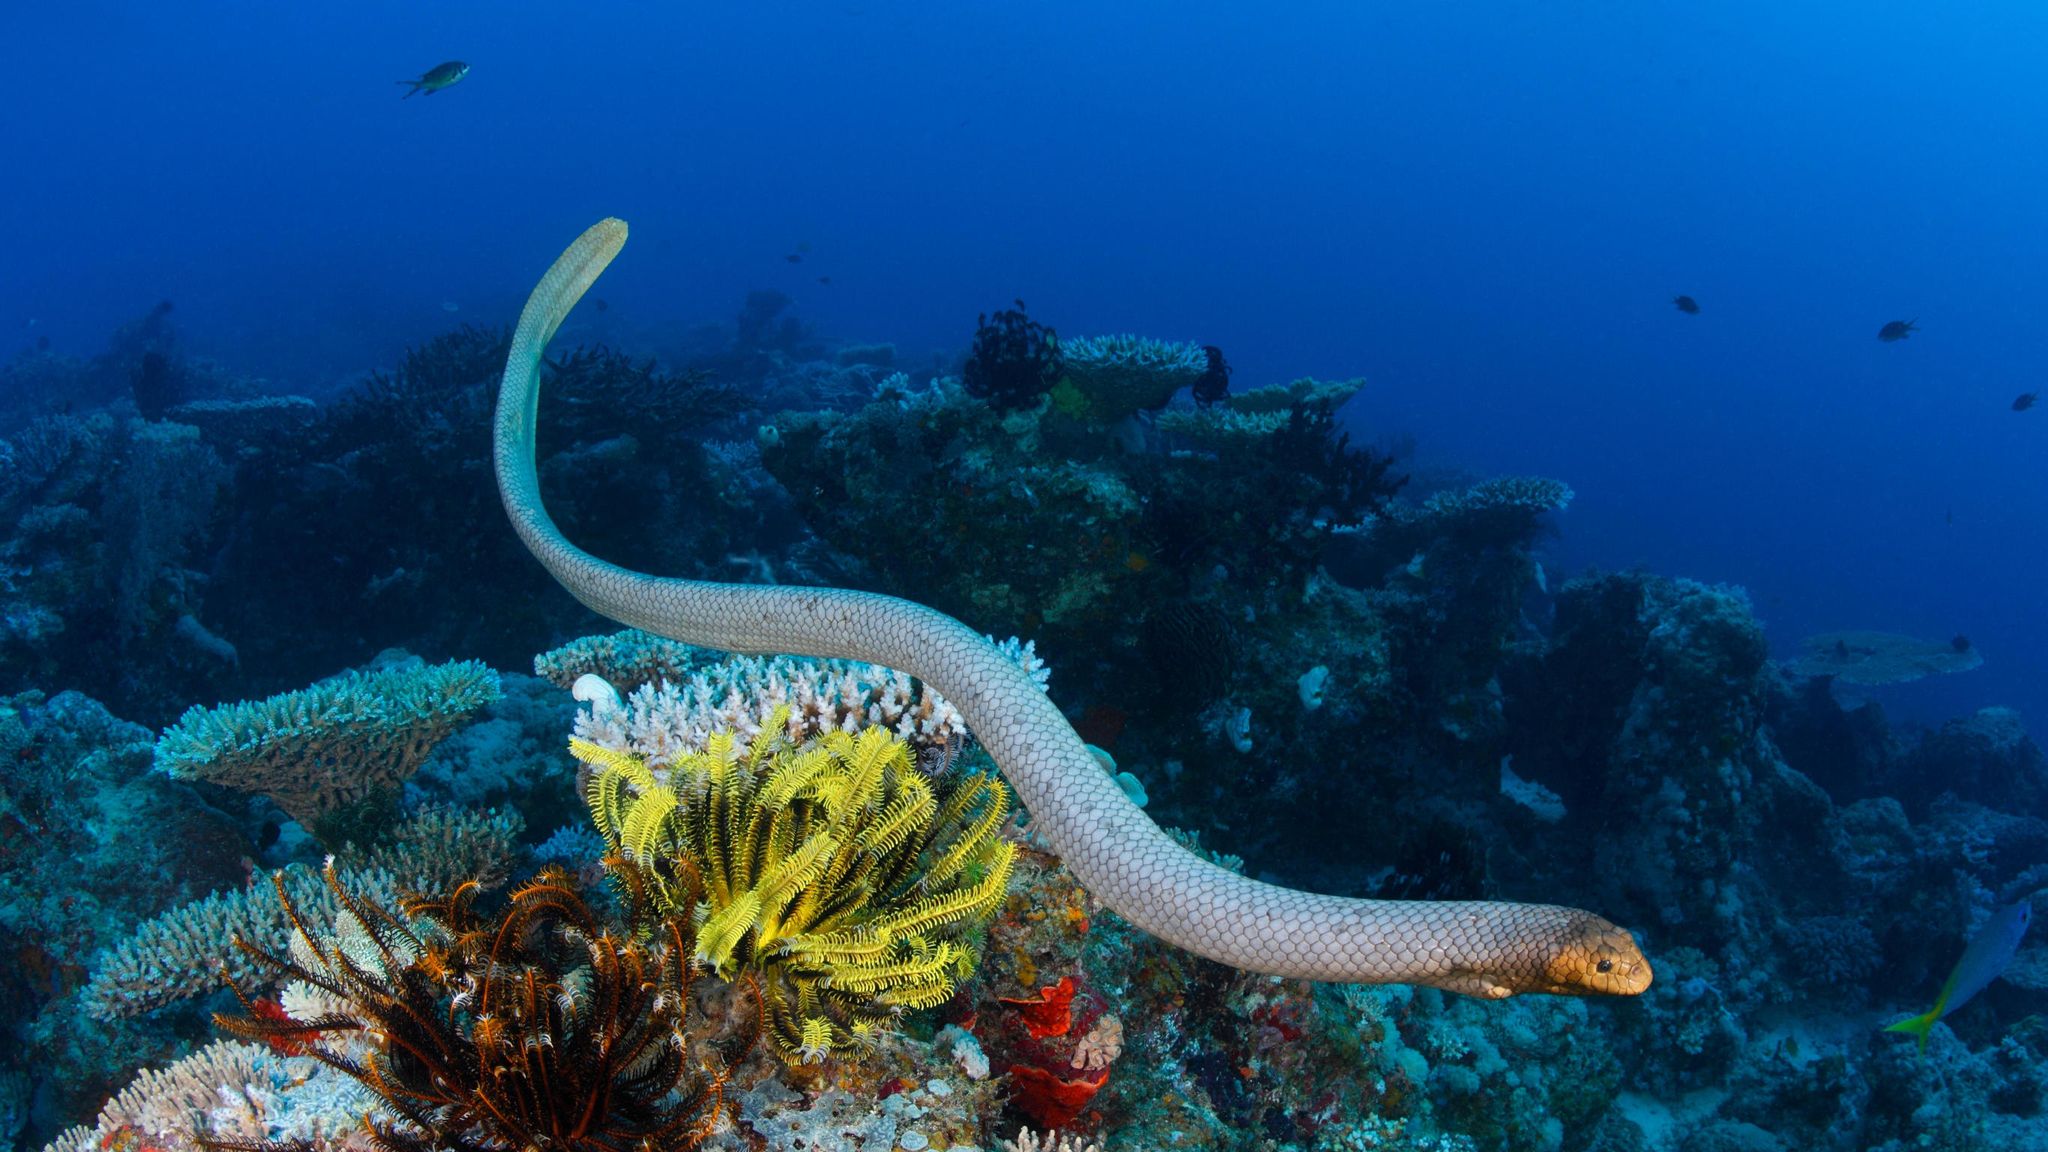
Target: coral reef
(398, 468)
(99, 574)
(931, 489)
(1348, 684)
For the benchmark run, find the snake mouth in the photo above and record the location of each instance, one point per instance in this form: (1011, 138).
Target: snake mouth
(1629, 976)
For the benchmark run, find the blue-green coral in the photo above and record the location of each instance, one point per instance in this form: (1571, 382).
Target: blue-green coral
(342, 742)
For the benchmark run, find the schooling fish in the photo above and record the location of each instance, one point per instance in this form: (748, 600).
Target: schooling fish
(1897, 330)
(1984, 960)
(2025, 401)
(436, 78)
(1686, 304)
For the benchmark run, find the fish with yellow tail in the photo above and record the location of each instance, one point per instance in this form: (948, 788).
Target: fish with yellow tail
(1985, 959)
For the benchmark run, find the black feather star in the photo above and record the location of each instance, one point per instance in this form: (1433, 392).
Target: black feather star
(536, 1027)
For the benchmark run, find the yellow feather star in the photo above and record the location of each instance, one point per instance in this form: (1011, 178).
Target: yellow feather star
(834, 869)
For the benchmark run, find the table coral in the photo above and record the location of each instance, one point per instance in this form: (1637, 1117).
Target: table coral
(336, 745)
(1110, 377)
(178, 954)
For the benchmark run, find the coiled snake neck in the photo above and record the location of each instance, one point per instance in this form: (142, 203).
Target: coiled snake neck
(1481, 948)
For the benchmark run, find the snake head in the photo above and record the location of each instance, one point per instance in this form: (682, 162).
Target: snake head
(1595, 957)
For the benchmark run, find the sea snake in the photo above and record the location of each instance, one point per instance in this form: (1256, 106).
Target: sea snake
(1480, 948)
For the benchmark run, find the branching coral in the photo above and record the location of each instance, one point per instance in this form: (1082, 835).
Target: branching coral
(227, 1093)
(338, 744)
(535, 1027)
(741, 693)
(173, 957)
(163, 1105)
(833, 868)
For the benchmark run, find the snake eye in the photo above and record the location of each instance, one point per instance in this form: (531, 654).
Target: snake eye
(1604, 966)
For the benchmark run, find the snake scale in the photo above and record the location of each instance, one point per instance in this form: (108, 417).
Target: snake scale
(1480, 948)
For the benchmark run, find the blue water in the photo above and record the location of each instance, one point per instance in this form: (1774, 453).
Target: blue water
(1484, 208)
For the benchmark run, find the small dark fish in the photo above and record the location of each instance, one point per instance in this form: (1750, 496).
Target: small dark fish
(599, 304)
(825, 280)
(436, 78)
(1897, 330)
(795, 257)
(1961, 643)
(1686, 304)
(2025, 401)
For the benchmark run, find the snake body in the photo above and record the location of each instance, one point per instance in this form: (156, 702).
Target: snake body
(1480, 948)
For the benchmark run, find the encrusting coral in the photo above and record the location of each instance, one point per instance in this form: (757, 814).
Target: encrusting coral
(534, 1027)
(833, 868)
(341, 743)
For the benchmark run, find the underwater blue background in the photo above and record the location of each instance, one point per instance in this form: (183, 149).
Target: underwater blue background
(1484, 208)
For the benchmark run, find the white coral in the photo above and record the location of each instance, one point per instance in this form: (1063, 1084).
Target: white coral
(663, 720)
(1101, 1046)
(1029, 1141)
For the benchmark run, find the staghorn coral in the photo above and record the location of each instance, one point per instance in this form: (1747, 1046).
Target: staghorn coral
(337, 745)
(172, 957)
(534, 1027)
(1110, 377)
(832, 867)
(167, 1105)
